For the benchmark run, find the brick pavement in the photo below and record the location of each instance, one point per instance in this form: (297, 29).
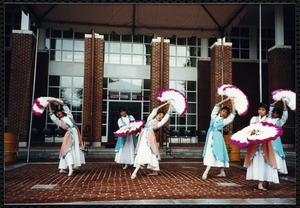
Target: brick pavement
(103, 180)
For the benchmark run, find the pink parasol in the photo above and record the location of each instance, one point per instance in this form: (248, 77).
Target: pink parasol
(240, 100)
(41, 103)
(258, 132)
(133, 127)
(176, 98)
(288, 95)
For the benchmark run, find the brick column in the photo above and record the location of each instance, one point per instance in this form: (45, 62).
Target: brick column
(93, 86)
(216, 71)
(160, 57)
(281, 76)
(20, 84)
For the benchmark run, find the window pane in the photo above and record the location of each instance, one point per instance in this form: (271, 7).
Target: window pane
(245, 43)
(78, 56)
(136, 96)
(137, 60)
(54, 81)
(114, 47)
(125, 95)
(67, 56)
(114, 58)
(78, 82)
(181, 62)
(147, 84)
(191, 96)
(67, 34)
(47, 43)
(66, 81)
(245, 32)
(126, 48)
(191, 85)
(192, 108)
(77, 116)
(77, 93)
(191, 119)
(126, 38)
(235, 53)
(55, 44)
(192, 41)
(78, 35)
(172, 50)
(66, 93)
(104, 82)
(67, 44)
(77, 105)
(114, 37)
(181, 41)
(172, 61)
(235, 43)
(56, 33)
(138, 49)
(234, 32)
(137, 39)
(54, 92)
(78, 45)
(125, 59)
(181, 50)
(245, 54)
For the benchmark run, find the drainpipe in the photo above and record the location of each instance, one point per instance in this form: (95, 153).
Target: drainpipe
(161, 133)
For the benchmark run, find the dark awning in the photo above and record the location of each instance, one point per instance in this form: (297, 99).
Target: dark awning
(165, 20)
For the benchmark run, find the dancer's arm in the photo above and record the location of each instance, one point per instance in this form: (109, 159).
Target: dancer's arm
(271, 107)
(284, 116)
(165, 118)
(230, 118)
(53, 117)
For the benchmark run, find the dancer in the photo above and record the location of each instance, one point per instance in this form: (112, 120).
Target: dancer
(260, 159)
(125, 147)
(215, 152)
(279, 117)
(71, 152)
(147, 149)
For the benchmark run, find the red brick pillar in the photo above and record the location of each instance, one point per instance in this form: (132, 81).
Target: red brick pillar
(281, 76)
(217, 77)
(160, 57)
(20, 84)
(93, 86)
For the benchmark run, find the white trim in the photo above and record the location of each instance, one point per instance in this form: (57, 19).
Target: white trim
(218, 44)
(22, 144)
(279, 46)
(22, 32)
(96, 36)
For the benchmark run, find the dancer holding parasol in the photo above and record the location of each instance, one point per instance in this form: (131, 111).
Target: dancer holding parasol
(215, 152)
(127, 140)
(260, 159)
(72, 149)
(147, 150)
(278, 117)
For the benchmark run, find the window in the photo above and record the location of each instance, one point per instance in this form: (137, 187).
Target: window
(184, 51)
(267, 41)
(134, 90)
(65, 46)
(70, 90)
(240, 39)
(189, 120)
(127, 49)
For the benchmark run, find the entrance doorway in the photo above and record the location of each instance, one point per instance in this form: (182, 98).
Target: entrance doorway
(133, 108)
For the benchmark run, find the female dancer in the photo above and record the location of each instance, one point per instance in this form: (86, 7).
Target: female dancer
(147, 149)
(260, 159)
(125, 146)
(215, 152)
(71, 152)
(279, 117)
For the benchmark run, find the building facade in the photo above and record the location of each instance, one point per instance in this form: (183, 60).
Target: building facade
(96, 74)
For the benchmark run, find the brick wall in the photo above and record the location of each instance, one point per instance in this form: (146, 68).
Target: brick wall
(20, 85)
(159, 75)
(93, 86)
(216, 72)
(281, 76)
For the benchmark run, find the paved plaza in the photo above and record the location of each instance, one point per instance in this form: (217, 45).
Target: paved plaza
(101, 181)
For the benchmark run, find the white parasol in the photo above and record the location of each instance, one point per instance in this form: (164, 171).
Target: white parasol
(258, 132)
(288, 95)
(41, 103)
(176, 98)
(133, 127)
(240, 100)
